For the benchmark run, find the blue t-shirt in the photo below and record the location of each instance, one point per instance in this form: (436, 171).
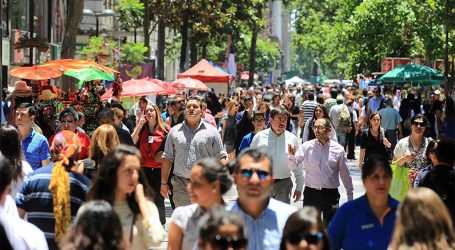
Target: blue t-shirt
(355, 226)
(35, 198)
(36, 149)
(246, 141)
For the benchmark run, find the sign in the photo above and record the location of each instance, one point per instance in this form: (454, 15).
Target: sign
(390, 63)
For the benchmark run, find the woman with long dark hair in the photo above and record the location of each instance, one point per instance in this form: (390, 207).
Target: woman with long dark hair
(11, 148)
(319, 112)
(120, 182)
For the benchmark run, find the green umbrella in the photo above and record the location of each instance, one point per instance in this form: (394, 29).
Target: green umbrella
(88, 74)
(413, 74)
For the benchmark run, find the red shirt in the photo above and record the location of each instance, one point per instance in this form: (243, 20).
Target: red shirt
(149, 150)
(85, 143)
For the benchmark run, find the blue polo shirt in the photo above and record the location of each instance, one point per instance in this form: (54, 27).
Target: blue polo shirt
(355, 226)
(35, 198)
(36, 149)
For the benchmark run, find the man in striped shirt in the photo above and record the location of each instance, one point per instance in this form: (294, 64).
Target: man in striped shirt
(34, 145)
(306, 110)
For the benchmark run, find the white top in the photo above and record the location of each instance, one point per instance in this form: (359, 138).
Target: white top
(187, 218)
(276, 147)
(16, 184)
(21, 234)
(147, 233)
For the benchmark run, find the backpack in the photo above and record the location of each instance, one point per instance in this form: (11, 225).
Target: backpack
(344, 121)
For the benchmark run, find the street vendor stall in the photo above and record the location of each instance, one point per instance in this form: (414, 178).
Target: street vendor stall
(205, 72)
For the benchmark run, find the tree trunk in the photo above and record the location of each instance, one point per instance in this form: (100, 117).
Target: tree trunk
(193, 51)
(184, 33)
(427, 55)
(72, 21)
(204, 50)
(161, 48)
(147, 27)
(252, 62)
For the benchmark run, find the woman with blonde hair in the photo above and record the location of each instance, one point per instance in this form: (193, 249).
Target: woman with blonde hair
(104, 139)
(423, 222)
(229, 128)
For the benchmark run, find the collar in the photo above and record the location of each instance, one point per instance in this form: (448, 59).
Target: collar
(318, 143)
(199, 126)
(275, 135)
(363, 203)
(32, 133)
(263, 212)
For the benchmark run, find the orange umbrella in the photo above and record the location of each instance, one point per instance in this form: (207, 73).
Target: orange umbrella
(189, 83)
(70, 64)
(36, 72)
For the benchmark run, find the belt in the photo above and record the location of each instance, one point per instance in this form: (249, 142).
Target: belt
(320, 188)
(278, 180)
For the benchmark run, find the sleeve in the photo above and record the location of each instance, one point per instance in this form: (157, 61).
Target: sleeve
(363, 139)
(298, 171)
(333, 134)
(218, 150)
(243, 143)
(169, 148)
(255, 141)
(306, 130)
(45, 152)
(398, 117)
(345, 175)
(399, 149)
(337, 227)
(21, 196)
(178, 217)
(152, 231)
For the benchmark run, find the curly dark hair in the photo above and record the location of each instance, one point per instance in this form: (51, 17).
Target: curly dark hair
(105, 183)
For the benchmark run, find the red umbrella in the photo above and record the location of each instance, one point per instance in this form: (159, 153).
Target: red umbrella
(170, 90)
(189, 83)
(138, 87)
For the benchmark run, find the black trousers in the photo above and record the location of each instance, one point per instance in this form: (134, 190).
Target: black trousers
(153, 176)
(325, 200)
(350, 141)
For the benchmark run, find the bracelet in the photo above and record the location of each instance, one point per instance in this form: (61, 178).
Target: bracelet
(163, 184)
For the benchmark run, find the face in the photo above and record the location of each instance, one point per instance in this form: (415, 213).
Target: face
(201, 191)
(375, 121)
(418, 126)
(248, 104)
(68, 123)
(193, 111)
(263, 108)
(432, 155)
(378, 183)
(319, 113)
(253, 187)
(259, 123)
(234, 108)
(228, 238)
(288, 103)
(150, 114)
(23, 119)
(321, 130)
(81, 121)
(276, 100)
(305, 241)
(128, 175)
(278, 123)
(142, 104)
(377, 92)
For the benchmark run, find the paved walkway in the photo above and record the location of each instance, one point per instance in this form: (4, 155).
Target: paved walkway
(231, 196)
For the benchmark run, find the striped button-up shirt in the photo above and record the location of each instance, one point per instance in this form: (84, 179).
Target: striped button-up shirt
(184, 146)
(264, 232)
(324, 165)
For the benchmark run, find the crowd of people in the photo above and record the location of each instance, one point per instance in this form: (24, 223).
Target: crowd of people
(106, 189)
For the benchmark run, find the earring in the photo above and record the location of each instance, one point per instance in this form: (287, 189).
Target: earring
(214, 191)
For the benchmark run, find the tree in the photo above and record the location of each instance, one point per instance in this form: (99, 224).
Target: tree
(72, 21)
(131, 15)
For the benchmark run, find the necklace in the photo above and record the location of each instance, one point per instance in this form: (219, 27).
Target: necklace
(412, 145)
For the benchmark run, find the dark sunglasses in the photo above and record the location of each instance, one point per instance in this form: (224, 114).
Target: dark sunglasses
(248, 173)
(419, 124)
(310, 238)
(236, 242)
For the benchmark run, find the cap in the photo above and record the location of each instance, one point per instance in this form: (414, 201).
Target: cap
(437, 92)
(339, 98)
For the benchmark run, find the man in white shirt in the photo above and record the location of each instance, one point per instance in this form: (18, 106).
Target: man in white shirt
(274, 142)
(21, 234)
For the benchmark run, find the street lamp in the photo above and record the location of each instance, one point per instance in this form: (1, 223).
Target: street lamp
(104, 13)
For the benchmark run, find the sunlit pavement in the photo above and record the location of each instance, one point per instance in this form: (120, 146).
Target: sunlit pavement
(231, 196)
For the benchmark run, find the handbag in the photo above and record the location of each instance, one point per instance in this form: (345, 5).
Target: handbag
(400, 181)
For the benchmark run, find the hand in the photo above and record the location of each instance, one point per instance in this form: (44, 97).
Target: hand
(297, 196)
(412, 176)
(291, 149)
(386, 143)
(79, 167)
(407, 158)
(142, 121)
(139, 194)
(164, 190)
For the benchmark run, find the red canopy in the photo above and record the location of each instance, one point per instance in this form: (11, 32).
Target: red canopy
(140, 87)
(189, 83)
(205, 72)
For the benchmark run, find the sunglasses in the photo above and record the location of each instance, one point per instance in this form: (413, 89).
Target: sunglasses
(235, 242)
(310, 238)
(248, 173)
(419, 124)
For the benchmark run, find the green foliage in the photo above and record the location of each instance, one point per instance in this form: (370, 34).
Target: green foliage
(133, 53)
(131, 13)
(99, 45)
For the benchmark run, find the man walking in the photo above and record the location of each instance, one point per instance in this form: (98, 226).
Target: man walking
(324, 162)
(391, 121)
(187, 143)
(264, 216)
(341, 120)
(274, 141)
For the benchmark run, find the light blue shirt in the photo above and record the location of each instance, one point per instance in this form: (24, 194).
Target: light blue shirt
(390, 118)
(374, 103)
(264, 232)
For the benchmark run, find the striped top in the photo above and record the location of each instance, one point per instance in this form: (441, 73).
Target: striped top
(35, 198)
(307, 108)
(36, 149)
(264, 232)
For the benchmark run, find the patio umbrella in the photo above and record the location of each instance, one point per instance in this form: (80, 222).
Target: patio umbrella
(138, 87)
(69, 64)
(189, 83)
(88, 74)
(36, 72)
(170, 89)
(413, 74)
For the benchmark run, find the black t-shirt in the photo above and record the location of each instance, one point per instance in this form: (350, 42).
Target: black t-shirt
(124, 137)
(373, 147)
(295, 111)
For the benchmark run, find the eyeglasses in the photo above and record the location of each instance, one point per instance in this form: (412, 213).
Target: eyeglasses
(248, 173)
(236, 242)
(419, 124)
(310, 238)
(67, 122)
(318, 127)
